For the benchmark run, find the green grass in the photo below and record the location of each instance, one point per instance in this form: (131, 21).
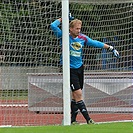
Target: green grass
(101, 128)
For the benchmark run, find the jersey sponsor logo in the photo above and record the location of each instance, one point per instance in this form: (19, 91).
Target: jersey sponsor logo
(75, 53)
(76, 45)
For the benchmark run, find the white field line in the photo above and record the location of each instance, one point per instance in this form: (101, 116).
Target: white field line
(13, 105)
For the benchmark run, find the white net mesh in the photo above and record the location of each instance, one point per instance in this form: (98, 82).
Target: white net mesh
(25, 37)
(29, 46)
(109, 23)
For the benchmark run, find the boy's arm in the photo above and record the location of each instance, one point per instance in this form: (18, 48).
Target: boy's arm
(54, 26)
(99, 44)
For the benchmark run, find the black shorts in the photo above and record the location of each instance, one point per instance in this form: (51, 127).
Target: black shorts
(77, 78)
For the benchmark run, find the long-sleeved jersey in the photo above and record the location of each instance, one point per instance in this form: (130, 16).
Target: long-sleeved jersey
(75, 44)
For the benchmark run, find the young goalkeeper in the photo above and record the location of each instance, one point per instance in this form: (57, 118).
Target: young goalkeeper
(77, 40)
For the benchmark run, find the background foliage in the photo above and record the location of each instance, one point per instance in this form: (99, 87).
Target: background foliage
(26, 40)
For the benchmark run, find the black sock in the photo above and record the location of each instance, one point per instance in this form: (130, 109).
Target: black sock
(83, 110)
(74, 110)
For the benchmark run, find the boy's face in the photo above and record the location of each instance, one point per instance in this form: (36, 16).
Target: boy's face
(74, 31)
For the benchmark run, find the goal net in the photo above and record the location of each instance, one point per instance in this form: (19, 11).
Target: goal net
(30, 73)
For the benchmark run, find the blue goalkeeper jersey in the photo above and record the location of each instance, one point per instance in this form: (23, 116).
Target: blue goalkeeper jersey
(75, 45)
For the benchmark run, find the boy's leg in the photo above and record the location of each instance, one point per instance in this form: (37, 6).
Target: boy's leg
(83, 110)
(74, 111)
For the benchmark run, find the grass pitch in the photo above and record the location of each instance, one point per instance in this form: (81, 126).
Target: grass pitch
(122, 127)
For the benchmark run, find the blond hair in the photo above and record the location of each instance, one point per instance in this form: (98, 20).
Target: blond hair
(73, 22)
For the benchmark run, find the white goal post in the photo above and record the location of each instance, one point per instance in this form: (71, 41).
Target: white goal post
(66, 62)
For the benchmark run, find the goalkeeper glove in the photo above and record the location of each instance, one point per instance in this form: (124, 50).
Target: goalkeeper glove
(70, 16)
(115, 52)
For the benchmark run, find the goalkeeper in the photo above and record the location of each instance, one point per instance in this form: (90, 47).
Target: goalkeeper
(77, 40)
